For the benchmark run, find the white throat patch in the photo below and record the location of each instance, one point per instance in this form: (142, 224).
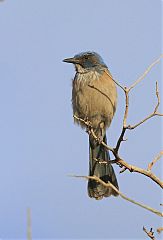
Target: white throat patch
(80, 69)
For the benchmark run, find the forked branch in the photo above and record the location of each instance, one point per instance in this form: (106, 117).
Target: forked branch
(118, 160)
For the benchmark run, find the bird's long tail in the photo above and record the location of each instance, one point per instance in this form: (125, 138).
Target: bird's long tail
(99, 166)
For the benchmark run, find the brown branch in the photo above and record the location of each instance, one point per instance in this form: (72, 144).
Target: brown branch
(91, 132)
(158, 98)
(126, 108)
(118, 159)
(150, 165)
(154, 113)
(150, 233)
(146, 72)
(159, 230)
(144, 120)
(135, 169)
(126, 91)
(114, 80)
(123, 170)
(120, 140)
(109, 184)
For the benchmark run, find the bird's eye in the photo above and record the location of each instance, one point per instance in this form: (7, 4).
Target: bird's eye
(86, 57)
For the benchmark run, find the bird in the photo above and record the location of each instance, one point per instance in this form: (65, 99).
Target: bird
(94, 98)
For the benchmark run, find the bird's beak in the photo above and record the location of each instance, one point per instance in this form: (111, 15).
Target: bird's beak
(71, 60)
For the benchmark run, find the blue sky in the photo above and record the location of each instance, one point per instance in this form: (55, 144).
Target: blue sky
(40, 145)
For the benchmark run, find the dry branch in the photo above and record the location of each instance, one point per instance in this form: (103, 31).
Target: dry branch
(150, 233)
(146, 72)
(109, 184)
(159, 230)
(144, 172)
(118, 160)
(150, 165)
(154, 113)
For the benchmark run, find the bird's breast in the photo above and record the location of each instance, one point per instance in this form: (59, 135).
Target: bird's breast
(84, 79)
(94, 97)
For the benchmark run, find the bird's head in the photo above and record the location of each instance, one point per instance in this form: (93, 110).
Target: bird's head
(86, 61)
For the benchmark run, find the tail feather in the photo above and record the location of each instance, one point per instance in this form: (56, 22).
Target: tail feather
(99, 166)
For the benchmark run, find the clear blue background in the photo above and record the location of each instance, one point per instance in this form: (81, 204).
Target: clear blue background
(40, 145)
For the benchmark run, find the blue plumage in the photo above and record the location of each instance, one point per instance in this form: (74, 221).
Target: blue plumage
(90, 59)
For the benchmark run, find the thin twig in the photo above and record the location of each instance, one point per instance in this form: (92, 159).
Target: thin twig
(135, 169)
(114, 80)
(126, 92)
(154, 113)
(121, 139)
(150, 233)
(131, 127)
(91, 132)
(150, 165)
(158, 98)
(146, 72)
(118, 159)
(109, 184)
(123, 170)
(126, 108)
(159, 230)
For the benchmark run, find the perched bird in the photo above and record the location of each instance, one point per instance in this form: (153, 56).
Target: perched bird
(94, 98)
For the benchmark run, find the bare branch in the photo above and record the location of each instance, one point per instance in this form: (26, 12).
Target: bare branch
(131, 127)
(109, 184)
(118, 159)
(146, 173)
(159, 230)
(146, 72)
(158, 98)
(121, 139)
(139, 79)
(123, 170)
(126, 108)
(154, 113)
(150, 165)
(91, 132)
(116, 82)
(150, 233)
